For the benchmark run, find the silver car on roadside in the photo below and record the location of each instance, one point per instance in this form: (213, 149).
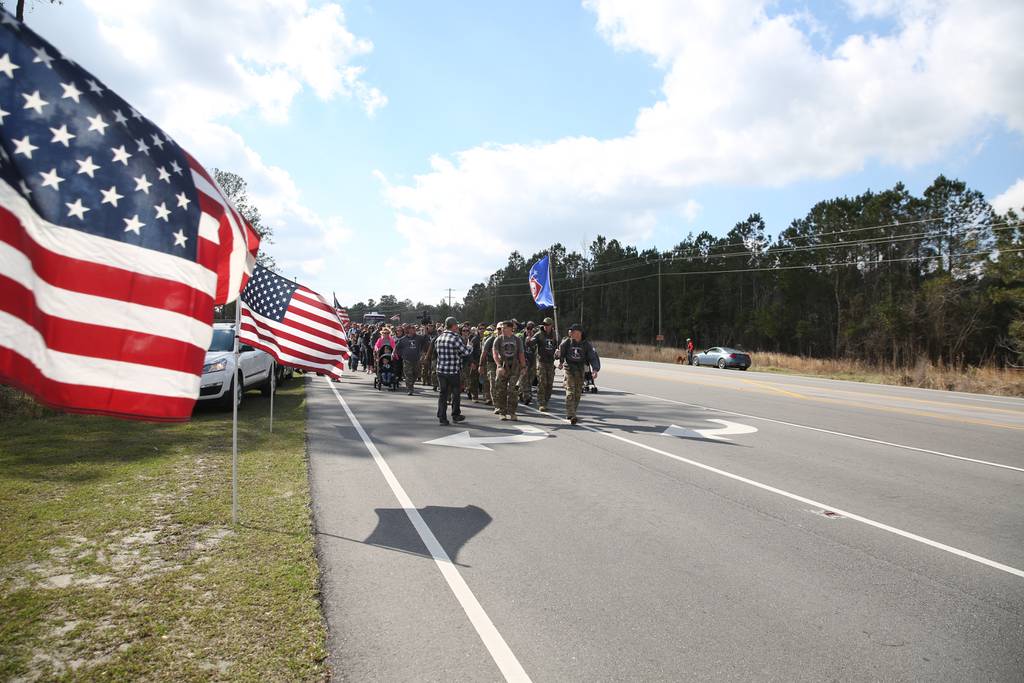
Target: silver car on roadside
(723, 357)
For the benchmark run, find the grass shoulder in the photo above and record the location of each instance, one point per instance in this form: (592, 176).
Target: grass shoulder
(979, 380)
(118, 561)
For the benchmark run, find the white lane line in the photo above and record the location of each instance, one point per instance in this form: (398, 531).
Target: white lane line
(808, 501)
(510, 667)
(827, 431)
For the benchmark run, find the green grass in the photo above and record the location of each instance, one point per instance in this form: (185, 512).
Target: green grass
(117, 556)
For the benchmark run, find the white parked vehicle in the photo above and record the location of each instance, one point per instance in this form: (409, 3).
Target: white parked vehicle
(220, 376)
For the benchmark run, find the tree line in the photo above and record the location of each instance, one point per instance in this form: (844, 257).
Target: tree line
(885, 277)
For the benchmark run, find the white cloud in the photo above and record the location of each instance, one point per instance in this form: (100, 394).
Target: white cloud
(1013, 198)
(192, 66)
(746, 99)
(231, 55)
(691, 210)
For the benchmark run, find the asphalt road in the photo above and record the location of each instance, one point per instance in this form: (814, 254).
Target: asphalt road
(824, 531)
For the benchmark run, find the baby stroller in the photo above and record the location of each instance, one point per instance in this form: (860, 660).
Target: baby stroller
(589, 385)
(386, 377)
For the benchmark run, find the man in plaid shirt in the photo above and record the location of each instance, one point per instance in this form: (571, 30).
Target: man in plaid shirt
(450, 350)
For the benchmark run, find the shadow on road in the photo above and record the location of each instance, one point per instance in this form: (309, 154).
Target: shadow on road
(452, 526)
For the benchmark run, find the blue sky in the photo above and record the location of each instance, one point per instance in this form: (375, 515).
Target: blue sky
(407, 147)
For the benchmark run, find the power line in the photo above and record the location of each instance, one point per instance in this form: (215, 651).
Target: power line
(718, 245)
(770, 251)
(791, 267)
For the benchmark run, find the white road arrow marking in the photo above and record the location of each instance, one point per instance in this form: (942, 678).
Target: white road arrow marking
(464, 440)
(714, 434)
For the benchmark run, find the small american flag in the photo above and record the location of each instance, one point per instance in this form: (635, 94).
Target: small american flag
(292, 323)
(115, 244)
(342, 314)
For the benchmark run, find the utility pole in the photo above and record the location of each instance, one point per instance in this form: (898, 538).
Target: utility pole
(583, 293)
(449, 298)
(661, 336)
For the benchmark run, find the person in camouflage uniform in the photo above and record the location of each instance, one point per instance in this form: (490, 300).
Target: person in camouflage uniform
(526, 388)
(487, 366)
(546, 344)
(469, 365)
(510, 360)
(430, 366)
(576, 353)
(428, 332)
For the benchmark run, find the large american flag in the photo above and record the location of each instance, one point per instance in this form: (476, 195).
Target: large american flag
(292, 323)
(114, 244)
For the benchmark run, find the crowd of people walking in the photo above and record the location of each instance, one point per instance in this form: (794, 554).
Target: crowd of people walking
(500, 365)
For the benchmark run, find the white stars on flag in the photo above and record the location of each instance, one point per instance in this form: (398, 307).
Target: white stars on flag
(34, 101)
(51, 179)
(141, 184)
(24, 147)
(7, 66)
(97, 124)
(42, 58)
(70, 91)
(120, 154)
(76, 209)
(62, 135)
(111, 196)
(86, 166)
(133, 224)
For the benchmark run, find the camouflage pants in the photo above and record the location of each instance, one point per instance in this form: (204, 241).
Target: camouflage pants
(467, 378)
(411, 368)
(526, 390)
(506, 388)
(424, 370)
(545, 380)
(573, 389)
(489, 383)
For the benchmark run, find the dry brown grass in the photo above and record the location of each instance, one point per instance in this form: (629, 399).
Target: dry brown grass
(978, 380)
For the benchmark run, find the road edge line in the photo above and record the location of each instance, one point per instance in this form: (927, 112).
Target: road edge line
(499, 650)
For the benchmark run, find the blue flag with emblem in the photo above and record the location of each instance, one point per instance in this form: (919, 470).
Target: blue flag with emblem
(540, 284)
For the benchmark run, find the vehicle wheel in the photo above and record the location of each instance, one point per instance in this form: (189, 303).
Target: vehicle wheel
(721, 363)
(270, 386)
(695, 363)
(743, 368)
(593, 390)
(225, 400)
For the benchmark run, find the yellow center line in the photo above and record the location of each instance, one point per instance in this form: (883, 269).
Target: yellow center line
(762, 387)
(909, 399)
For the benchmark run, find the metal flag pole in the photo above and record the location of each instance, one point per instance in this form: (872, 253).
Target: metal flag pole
(273, 390)
(551, 286)
(234, 420)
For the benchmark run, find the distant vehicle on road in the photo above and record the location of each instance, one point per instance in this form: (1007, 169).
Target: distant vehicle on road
(374, 318)
(221, 377)
(723, 357)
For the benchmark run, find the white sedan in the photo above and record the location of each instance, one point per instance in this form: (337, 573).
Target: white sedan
(255, 368)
